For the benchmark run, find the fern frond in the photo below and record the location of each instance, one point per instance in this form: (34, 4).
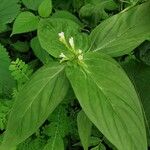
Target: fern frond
(20, 70)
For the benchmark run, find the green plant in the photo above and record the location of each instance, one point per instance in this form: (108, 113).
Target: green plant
(76, 65)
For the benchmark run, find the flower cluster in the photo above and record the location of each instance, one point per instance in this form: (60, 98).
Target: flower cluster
(71, 47)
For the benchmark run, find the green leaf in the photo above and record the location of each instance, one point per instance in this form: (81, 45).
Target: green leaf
(32, 4)
(123, 32)
(48, 30)
(63, 5)
(59, 122)
(66, 15)
(39, 51)
(3, 27)
(84, 129)
(99, 147)
(139, 74)
(8, 10)
(55, 143)
(45, 8)
(32, 144)
(109, 99)
(34, 103)
(20, 46)
(95, 10)
(25, 22)
(144, 52)
(6, 81)
(5, 106)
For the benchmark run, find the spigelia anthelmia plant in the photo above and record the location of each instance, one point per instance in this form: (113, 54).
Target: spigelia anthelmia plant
(75, 75)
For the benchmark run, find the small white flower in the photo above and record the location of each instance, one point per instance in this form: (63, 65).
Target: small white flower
(80, 51)
(80, 57)
(62, 55)
(61, 36)
(71, 42)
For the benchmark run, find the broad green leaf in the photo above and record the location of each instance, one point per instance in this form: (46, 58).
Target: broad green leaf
(109, 99)
(49, 29)
(121, 33)
(139, 74)
(8, 10)
(55, 143)
(6, 81)
(45, 8)
(84, 129)
(25, 22)
(32, 4)
(39, 51)
(34, 103)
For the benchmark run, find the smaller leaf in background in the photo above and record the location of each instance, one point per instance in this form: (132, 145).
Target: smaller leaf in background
(63, 14)
(84, 129)
(99, 147)
(58, 128)
(45, 8)
(59, 122)
(20, 46)
(32, 4)
(39, 52)
(3, 27)
(32, 144)
(144, 52)
(64, 5)
(25, 22)
(6, 81)
(8, 10)
(5, 107)
(55, 143)
(93, 141)
(77, 4)
(94, 11)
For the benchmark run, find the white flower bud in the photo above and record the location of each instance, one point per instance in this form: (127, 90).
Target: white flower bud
(80, 57)
(80, 51)
(71, 42)
(61, 36)
(62, 55)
